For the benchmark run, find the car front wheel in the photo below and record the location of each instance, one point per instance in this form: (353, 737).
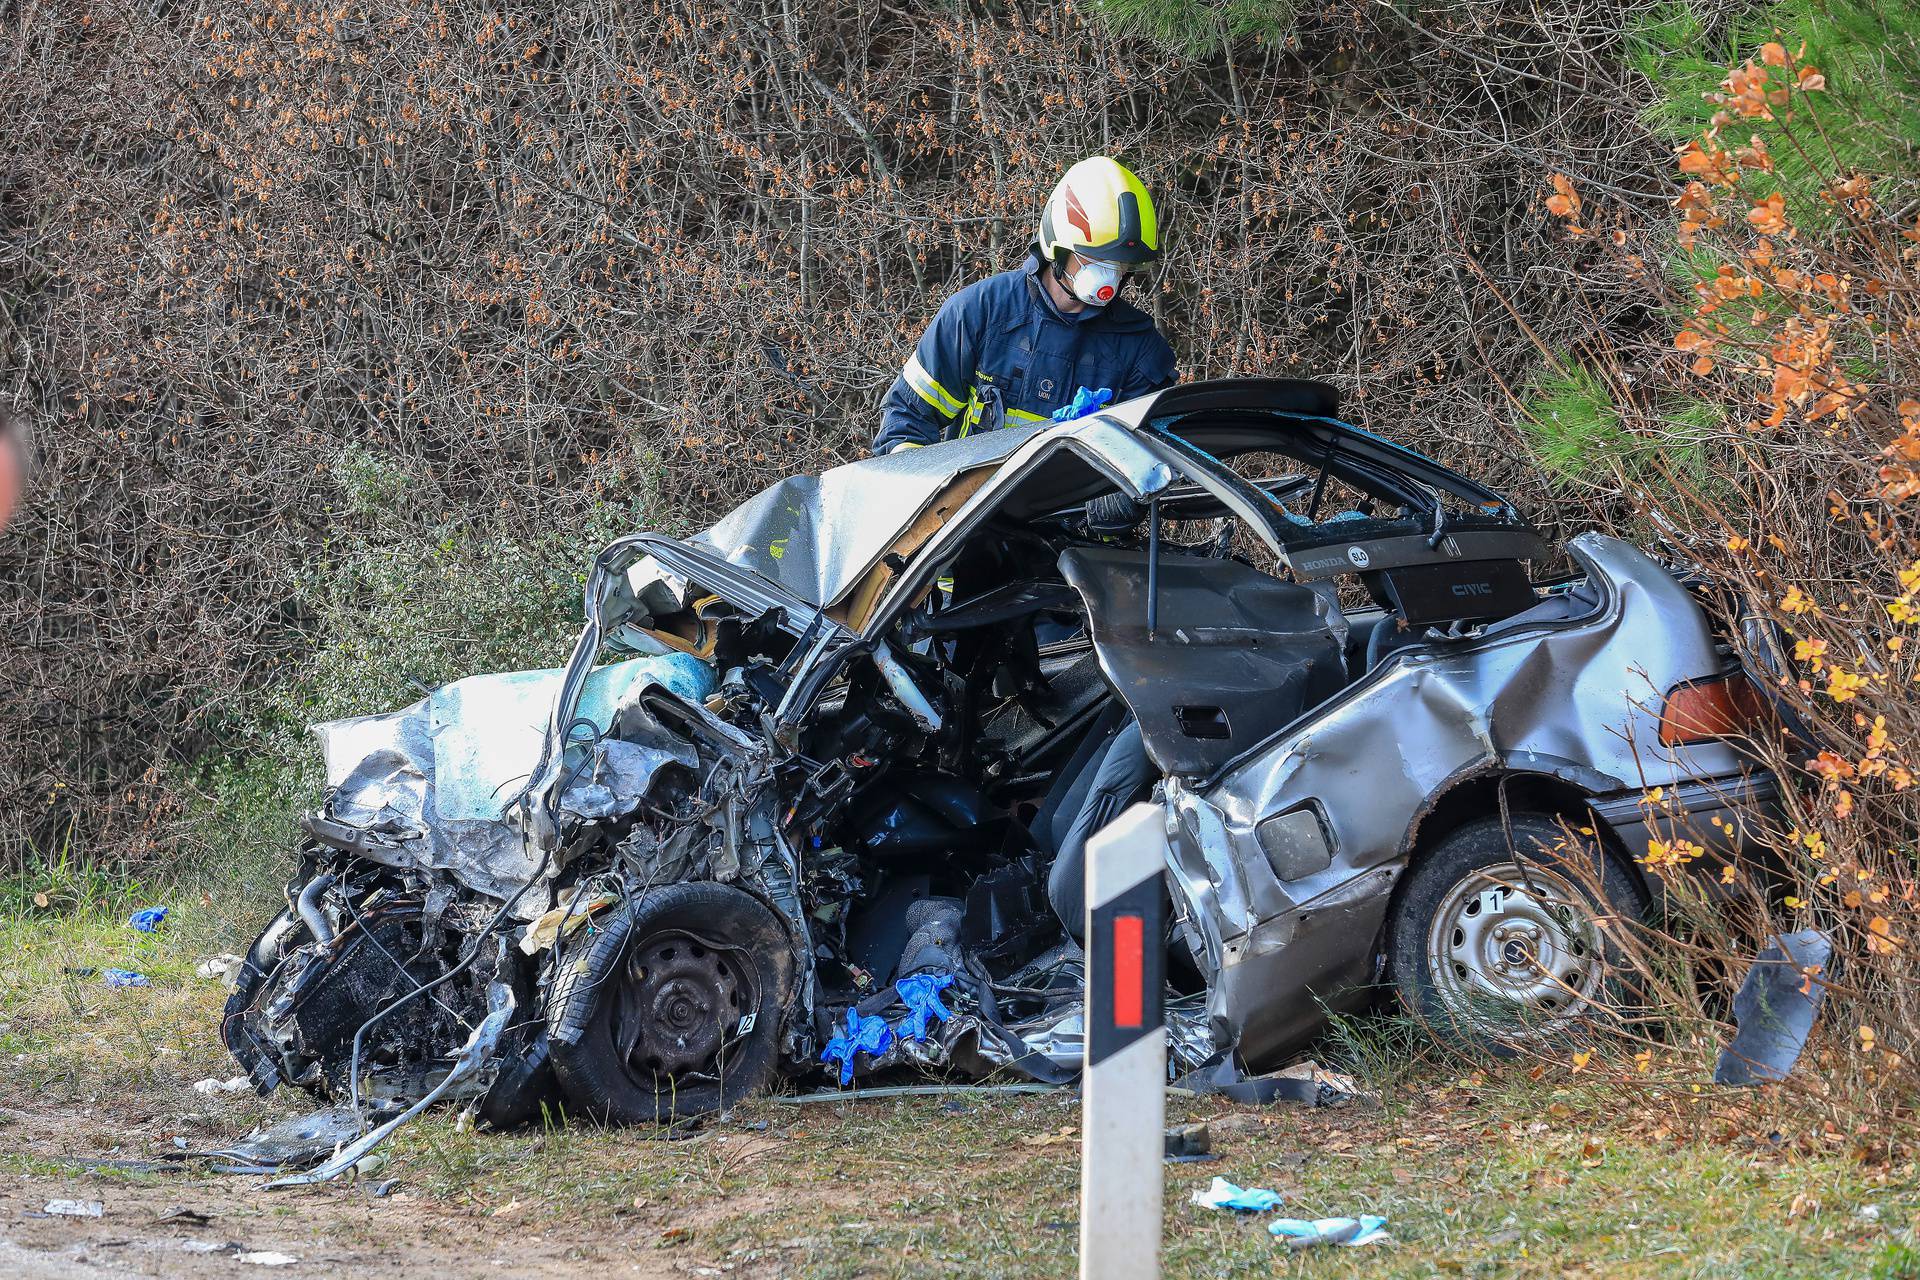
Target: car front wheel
(1503, 944)
(673, 1009)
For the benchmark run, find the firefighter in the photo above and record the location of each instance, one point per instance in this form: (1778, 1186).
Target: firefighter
(1046, 338)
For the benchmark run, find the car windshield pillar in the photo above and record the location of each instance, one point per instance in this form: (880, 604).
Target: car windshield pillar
(1116, 452)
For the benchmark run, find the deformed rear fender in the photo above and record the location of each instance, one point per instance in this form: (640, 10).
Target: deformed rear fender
(1567, 703)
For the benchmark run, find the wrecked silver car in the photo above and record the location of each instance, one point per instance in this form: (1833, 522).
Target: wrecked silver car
(815, 788)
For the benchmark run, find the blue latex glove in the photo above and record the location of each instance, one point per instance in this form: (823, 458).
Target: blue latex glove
(922, 994)
(124, 978)
(1084, 402)
(869, 1035)
(1224, 1195)
(147, 919)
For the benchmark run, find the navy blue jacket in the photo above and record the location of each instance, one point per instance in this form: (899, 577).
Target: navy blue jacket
(1002, 339)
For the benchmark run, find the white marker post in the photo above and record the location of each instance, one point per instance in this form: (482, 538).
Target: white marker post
(1123, 1091)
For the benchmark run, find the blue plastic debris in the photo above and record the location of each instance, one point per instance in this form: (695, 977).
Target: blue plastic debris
(1224, 1195)
(1084, 402)
(922, 994)
(1299, 1233)
(868, 1035)
(124, 978)
(147, 919)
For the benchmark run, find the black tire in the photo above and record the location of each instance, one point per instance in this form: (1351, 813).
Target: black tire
(646, 1019)
(1524, 968)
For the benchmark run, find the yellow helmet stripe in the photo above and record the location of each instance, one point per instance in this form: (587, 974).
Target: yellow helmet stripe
(1149, 221)
(927, 388)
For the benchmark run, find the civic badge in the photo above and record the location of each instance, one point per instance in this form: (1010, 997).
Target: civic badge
(1046, 388)
(1359, 557)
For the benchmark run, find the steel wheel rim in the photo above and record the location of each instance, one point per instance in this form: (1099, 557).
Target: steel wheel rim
(1516, 953)
(683, 1002)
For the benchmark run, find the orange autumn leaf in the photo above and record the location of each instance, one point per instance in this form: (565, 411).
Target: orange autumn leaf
(1770, 215)
(1565, 201)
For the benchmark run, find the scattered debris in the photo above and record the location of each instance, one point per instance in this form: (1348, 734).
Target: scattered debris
(1222, 1194)
(124, 978)
(1304, 1082)
(1332, 1087)
(563, 920)
(266, 1258)
(909, 1091)
(291, 1144)
(74, 1208)
(1188, 1140)
(182, 1216)
(473, 1055)
(1775, 1008)
(147, 919)
(223, 965)
(1062, 1136)
(1299, 1233)
(210, 1086)
(90, 1164)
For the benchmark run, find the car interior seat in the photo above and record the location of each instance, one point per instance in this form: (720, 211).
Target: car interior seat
(1105, 773)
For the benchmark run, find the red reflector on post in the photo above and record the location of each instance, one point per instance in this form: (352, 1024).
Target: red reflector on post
(1129, 954)
(1708, 710)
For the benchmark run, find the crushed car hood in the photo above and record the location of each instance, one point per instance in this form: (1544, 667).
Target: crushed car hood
(432, 784)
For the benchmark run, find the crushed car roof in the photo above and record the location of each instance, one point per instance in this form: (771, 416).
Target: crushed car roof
(816, 535)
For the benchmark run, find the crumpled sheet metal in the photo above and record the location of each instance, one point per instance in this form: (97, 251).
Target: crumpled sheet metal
(967, 1044)
(1775, 1008)
(1576, 700)
(617, 775)
(817, 535)
(474, 1056)
(435, 777)
(292, 1144)
(1060, 1036)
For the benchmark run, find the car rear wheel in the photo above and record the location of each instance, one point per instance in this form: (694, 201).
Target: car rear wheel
(1501, 945)
(673, 1009)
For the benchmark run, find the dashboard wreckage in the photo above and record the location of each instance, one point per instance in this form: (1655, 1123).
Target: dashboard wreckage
(814, 790)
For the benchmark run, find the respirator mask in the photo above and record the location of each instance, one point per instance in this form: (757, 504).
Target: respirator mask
(1097, 283)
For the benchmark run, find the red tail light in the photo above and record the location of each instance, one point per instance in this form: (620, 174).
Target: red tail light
(1709, 710)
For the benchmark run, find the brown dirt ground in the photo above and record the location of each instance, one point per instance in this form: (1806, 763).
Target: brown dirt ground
(336, 1230)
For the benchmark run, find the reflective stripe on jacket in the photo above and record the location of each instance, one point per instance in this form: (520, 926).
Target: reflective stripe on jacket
(999, 352)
